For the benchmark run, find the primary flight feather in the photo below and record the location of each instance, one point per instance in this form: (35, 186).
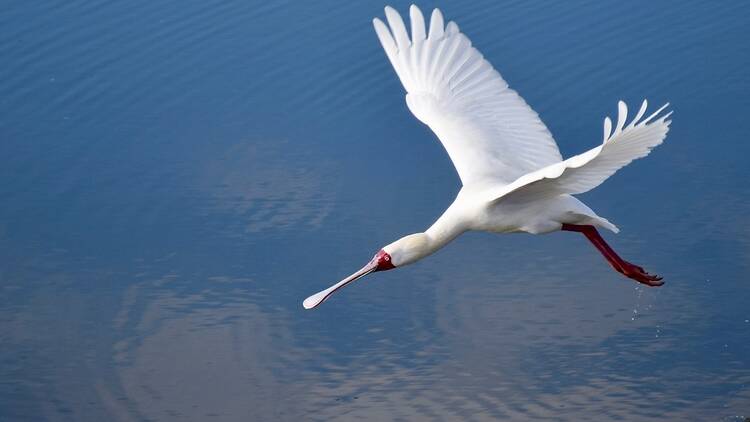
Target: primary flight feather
(514, 179)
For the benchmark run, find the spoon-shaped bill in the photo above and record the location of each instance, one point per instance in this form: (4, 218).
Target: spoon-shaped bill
(322, 295)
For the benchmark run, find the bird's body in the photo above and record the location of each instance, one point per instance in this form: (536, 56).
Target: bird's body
(516, 215)
(514, 178)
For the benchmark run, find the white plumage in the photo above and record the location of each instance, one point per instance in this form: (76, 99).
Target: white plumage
(487, 128)
(583, 172)
(514, 179)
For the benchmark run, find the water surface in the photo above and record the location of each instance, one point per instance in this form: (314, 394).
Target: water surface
(177, 177)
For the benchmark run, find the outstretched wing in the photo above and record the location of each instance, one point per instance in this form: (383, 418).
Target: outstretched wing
(487, 129)
(586, 171)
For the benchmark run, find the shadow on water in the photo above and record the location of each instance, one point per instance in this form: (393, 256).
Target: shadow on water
(178, 177)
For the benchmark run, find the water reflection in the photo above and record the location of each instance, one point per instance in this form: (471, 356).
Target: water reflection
(253, 183)
(198, 357)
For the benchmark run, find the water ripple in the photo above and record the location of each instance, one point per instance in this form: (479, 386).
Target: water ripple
(178, 176)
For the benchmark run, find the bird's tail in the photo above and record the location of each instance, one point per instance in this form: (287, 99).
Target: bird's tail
(604, 223)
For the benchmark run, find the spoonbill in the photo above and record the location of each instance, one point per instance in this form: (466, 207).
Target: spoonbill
(513, 177)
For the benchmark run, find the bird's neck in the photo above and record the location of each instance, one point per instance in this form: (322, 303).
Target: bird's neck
(438, 236)
(416, 246)
(444, 230)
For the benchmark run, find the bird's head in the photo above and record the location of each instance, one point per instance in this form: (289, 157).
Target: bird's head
(401, 252)
(408, 249)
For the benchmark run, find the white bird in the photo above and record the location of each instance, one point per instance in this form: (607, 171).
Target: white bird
(514, 179)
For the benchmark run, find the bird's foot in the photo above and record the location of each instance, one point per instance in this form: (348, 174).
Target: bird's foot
(639, 274)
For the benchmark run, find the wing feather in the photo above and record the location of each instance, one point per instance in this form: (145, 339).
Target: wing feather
(436, 25)
(488, 130)
(397, 28)
(583, 172)
(417, 27)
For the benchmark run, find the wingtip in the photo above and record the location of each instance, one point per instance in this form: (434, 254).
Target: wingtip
(379, 26)
(607, 129)
(667, 116)
(391, 12)
(622, 117)
(451, 28)
(438, 13)
(639, 114)
(418, 30)
(437, 24)
(654, 114)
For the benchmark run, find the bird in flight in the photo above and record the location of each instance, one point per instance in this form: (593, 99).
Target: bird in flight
(514, 179)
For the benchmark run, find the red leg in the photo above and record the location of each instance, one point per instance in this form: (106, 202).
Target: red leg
(624, 267)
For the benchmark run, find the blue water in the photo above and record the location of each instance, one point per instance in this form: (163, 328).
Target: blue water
(177, 177)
